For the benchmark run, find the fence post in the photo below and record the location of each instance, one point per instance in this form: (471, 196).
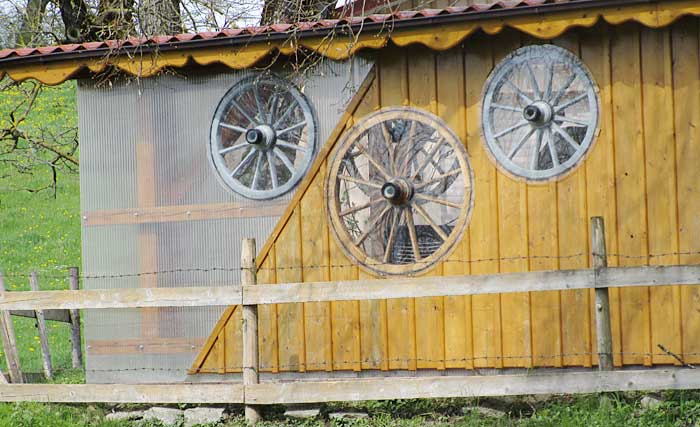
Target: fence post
(77, 351)
(602, 300)
(9, 342)
(43, 335)
(251, 360)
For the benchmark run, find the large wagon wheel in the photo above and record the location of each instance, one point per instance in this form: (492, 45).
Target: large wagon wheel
(263, 137)
(399, 191)
(540, 112)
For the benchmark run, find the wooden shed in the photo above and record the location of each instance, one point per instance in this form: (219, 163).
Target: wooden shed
(472, 140)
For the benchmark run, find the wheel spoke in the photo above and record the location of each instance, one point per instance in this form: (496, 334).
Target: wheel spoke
(550, 81)
(272, 107)
(520, 143)
(244, 162)
(232, 127)
(412, 233)
(389, 148)
(360, 181)
(273, 171)
(552, 149)
(244, 112)
(233, 148)
(437, 179)
(256, 174)
(569, 103)
(563, 90)
(291, 128)
(533, 80)
(358, 208)
(285, 160)
(392, 235)
(535, 154)
(258, 102)
(376, 164)
(564, 134)
(506, 108)
(428, 158)
(511, 129)
(372, 225)
(437, 200)
(285, 144)
(430, 221)
(284, 115)
(520, 93)
(573, 120)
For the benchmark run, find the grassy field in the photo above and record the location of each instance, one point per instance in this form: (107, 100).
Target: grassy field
(41, 232)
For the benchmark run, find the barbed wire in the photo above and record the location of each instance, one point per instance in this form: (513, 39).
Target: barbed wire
(51, 274)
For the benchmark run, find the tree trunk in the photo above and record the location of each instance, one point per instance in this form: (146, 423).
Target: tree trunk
(160, 17)
(77, 20)
(30, 28)
(115, 19)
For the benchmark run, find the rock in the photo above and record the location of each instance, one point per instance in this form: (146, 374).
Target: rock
(347, 415)
(125, 416)
(302, 413)
(484, 412)
(650, 402)
(167, 416)
(195, 416)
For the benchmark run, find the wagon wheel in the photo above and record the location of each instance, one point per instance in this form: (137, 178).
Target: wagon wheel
(540, 112)
(263, 137)
(399, 191)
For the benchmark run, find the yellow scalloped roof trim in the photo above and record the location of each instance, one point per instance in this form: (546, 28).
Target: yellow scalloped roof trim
(544, 26)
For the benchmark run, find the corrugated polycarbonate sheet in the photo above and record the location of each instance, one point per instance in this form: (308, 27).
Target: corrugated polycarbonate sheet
(144, 144)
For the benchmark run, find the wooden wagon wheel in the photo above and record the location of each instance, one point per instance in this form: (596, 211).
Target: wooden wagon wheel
(263, 137)
(540, 112)
(399, 191)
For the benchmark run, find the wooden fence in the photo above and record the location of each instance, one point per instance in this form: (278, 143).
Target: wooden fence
(249, 294)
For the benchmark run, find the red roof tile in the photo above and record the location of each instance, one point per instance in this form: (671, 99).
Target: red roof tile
(482, 9)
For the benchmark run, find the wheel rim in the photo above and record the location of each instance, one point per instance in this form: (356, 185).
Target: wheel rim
(263, 137)
(399, 191)
(540, 112)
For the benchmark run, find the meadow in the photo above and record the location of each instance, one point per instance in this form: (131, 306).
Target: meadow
(40, 231)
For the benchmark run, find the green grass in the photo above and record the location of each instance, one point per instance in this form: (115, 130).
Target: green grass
(39, 232)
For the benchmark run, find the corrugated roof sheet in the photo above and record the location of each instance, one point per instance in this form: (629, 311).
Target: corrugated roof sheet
(532, 6)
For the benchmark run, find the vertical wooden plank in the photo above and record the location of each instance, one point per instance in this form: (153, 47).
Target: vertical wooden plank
(659, 145)
(267, 318)
(630, 179)
(9, 342)
(483, 227)
(457, 310)
(393, 91)
(76, 342)
(148, 239)
(345, 315)
(600, 165)
(315, 258)
(513, 248)
(290, 317)
(43, 334)
(249, 341)
(233, 342)
(429, 312)
(686, 97)
(573, 239)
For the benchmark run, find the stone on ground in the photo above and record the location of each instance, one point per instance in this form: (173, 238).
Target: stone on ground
(167, 416)
(125, 416)
(302, 413)
(484, 412)
(650, 402)
(347, 415)
(197, 416)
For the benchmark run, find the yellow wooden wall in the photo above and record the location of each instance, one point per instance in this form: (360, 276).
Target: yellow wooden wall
(642, 176)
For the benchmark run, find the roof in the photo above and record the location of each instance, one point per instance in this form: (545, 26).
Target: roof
(540, 18)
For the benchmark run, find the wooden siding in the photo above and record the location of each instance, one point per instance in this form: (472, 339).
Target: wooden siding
(641, 176)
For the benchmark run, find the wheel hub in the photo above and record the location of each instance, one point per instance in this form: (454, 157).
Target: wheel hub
(262, 136)
(538, 113)
(397, 191)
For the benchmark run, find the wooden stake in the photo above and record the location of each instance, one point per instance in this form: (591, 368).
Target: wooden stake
(43, 334)
(9, 342)
(602, 300)
(77, 351)
(250, 328)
